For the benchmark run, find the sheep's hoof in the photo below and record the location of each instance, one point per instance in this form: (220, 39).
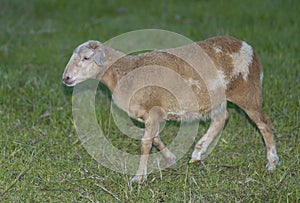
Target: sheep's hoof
(140, 179)
(193, 161)
(272, 166)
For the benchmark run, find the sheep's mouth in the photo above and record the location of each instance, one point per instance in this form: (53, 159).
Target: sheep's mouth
(69, 82)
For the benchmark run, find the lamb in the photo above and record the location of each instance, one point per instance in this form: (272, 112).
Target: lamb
(239, 81)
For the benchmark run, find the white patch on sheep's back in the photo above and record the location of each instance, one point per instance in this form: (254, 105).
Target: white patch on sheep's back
(218, 50)
(241, 61)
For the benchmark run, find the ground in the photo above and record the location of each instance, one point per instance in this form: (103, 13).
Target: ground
(41, 158)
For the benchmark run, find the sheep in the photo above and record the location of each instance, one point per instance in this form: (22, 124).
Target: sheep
(239, 73)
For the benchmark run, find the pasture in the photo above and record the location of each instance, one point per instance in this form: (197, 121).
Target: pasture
(41, 158)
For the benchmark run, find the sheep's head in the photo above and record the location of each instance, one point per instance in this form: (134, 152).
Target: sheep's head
(85, 63)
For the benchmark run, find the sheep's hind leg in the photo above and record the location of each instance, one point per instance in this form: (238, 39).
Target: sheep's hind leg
(264, 125)
(205, 145)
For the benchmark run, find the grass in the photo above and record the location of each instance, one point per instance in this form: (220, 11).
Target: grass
(41, 159)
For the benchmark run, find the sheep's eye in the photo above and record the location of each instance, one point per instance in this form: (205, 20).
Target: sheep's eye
(86, 58)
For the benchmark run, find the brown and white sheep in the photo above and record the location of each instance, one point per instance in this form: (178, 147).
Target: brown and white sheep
(239, 75)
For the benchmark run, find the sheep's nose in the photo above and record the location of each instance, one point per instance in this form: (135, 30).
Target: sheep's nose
(67, 79)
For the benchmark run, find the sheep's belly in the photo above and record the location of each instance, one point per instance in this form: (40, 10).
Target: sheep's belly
(203, 113)
(186, 115)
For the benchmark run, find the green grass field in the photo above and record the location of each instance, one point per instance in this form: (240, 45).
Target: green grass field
(41, 159)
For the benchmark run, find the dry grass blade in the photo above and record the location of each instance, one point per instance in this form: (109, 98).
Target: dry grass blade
(109, 192)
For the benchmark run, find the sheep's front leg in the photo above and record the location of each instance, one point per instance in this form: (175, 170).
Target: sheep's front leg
(170, 158)
(205, 145)
(141, 174)
(152, 121)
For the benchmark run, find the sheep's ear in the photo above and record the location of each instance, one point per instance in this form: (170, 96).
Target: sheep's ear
(99, 57)
(92, 44)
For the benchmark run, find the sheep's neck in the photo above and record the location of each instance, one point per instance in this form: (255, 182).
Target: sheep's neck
(116, 69)
(110, 79)
(109, 76)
